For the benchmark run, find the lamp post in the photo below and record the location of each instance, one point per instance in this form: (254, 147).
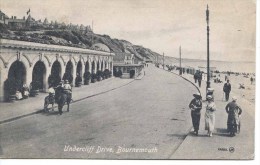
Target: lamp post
(208, 69)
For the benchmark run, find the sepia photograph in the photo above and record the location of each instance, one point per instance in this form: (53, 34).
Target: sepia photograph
(128, 79)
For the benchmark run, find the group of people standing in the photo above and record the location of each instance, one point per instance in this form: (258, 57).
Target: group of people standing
(63, 87)
(198, 77)
(232, 109)
(23, 93)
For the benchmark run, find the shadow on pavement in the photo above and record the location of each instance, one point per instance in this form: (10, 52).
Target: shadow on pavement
(221, 132)
(177, 135)
(50, 113)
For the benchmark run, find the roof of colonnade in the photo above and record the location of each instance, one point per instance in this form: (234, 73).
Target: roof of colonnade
(38, 46)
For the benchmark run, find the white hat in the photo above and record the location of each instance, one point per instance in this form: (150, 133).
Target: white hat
(211, 89)
(209, 97)
(234, 98)
(197, 95)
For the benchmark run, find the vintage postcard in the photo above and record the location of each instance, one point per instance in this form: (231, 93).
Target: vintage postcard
(127, 79)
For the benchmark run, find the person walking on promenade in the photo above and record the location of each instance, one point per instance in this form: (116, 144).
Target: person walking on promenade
(195, 77)
(196, 106)
(227, 89)
(199, 78)
(210, 115)
(233, 121)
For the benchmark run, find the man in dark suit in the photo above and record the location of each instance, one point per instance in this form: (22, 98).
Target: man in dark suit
(227, 89)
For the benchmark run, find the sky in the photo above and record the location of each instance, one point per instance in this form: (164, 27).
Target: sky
(161, 25)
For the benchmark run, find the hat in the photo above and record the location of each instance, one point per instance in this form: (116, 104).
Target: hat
(234, 98)
(209, 97)
(197, 95)
(210, 89)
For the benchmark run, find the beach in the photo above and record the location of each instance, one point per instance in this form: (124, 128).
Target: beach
(222, 66)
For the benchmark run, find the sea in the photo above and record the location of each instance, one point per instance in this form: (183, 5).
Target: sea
(240, 67)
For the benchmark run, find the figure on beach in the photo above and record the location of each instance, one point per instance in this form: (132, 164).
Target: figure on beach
(227, 89)
(196, 106)
(233, 121)
(251, 80)
(210, 115)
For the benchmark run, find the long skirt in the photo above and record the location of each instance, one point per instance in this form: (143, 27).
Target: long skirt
(195, 116)
(233, 124)
(209, 120)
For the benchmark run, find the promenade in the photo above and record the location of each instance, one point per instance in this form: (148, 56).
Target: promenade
(34, 105)
(147, 114)
(151, 113)
(221, 145)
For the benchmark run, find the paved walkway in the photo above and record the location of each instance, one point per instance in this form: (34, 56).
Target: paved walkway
(148, 114)
(33, 105)
(221, 145)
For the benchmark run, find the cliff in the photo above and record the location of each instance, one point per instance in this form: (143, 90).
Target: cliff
(77, 38)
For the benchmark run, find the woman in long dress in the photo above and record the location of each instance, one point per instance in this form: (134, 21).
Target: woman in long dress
(234, 111)
(210, 115)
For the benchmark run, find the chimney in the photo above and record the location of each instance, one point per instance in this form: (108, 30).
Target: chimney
(23, 17)
(14, 17)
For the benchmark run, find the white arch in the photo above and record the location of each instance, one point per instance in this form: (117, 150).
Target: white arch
(22, 59)
(61, 65)
(82, 67)
(47, 73)
(44, 60)
(28, 68)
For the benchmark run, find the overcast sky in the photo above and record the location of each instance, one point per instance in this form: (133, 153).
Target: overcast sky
(161, 25)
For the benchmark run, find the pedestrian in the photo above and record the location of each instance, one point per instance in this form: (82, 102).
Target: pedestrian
(25, 91)
(78, 80)
(196, 106)
(227, 89)
(18, 95)
(67, 89)
(233, 121)
(199, 78)
(195, 77)
(51, 91)
(210, 115)
(251, 79)
(210, 91)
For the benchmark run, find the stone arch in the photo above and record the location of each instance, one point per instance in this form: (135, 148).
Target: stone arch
(22, 59)
(98, 65)
(69, 72)
(39, 75)
(106, 65)
(93, 67)
(79, 68)
(17, 70)
(102, 65)
(55, 75)
(87, 66)
(44, 60)
(17, 74)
